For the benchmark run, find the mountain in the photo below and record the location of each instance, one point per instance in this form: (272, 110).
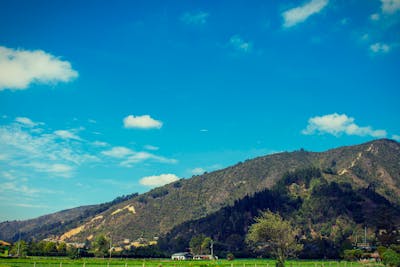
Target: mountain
(54, 224)
(374, 165)
(330, 214)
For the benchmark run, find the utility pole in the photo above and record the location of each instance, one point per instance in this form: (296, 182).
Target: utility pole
(110, 245)
(365, 235)
(19, 243)
(212, 248)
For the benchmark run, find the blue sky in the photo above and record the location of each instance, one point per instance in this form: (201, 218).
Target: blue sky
(101, 99)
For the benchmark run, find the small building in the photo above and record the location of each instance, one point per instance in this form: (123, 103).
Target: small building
(181, 256)
(4, 248)
(203, 257)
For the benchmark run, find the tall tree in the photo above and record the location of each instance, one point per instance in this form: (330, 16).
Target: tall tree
(20, 249)
(101, 246)
(195, 244)
(206, 245)
(272, 232)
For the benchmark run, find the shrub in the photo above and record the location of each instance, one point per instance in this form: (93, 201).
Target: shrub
(396, 248)
(230, 256)
(391, 258)
(381, 250)
(352, 254)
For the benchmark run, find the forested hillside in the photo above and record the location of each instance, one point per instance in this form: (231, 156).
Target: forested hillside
(331, 215)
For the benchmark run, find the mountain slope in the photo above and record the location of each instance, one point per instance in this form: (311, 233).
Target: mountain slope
(158, 211)
(327, 212)
(54, 224)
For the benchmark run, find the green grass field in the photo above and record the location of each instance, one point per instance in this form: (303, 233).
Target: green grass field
(91, 262)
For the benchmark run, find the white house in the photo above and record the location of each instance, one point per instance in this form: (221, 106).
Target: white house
(181, 256)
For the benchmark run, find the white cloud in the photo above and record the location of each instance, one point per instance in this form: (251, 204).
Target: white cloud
(56, 169)
(143, 156)
(375, 17)
(198, 18)
(239, 44)
(396, 137)
(338, 124)
(15, 187)
(141, 122)
(65, 134)
(99, 144)
(365, 37)
(8, 175)
(158, 180)
(19, 68)
(26, 205)
(150, 147)
(27, 122)
(40, 152)
(198, 171)
(118, 152)
(344, 21)
(390, 6)
(203, 130)
(131, 157)
(299, 14)
(379, 48)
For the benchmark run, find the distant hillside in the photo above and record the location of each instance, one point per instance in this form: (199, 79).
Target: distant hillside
(54, 224)
(157, 212)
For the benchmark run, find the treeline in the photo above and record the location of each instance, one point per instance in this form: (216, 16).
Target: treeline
(42, 248)
(99, 247)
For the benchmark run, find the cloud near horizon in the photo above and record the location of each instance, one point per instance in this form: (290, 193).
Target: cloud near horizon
(300, 14)
(158, 180)
(141, 122)
(198, 171)
(338, 124)
(19, 68)
(130, 157)
(41, 151)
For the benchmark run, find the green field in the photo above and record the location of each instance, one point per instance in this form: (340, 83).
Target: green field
(91, 262)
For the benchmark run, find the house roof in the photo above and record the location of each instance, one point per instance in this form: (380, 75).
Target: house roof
(4, 243)
(181, 254)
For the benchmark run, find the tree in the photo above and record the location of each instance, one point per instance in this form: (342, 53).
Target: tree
(19, 249)
(271, 231)
(195, 244)
(50, 249)
(391, 258)
(205, 245)
(352, 254)
(101, 246)
(62, 249)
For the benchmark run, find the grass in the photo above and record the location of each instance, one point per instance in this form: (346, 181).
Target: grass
(94, 262)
